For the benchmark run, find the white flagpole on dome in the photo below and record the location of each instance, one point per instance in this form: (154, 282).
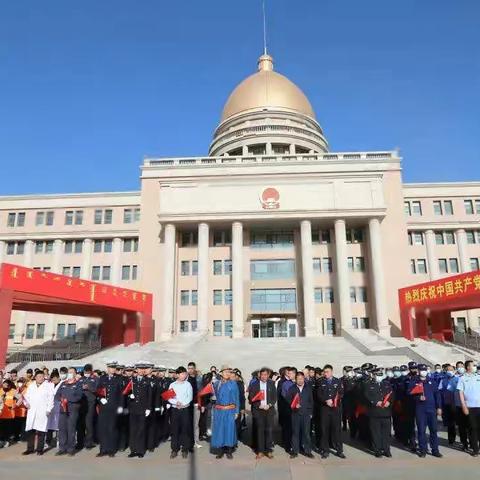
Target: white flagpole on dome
(264, 29)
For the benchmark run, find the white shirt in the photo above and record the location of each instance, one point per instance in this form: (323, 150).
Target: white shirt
(263, 388)
(184, 393)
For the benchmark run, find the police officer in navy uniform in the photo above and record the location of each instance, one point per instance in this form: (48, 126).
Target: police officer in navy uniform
(140, 408)
(329, 396)
(427, 407)
(409, 408)
(123, 421)
(379, 395)
(151, 421)
(348, 403)
(88, 383)
(110, 405)
(399, 392)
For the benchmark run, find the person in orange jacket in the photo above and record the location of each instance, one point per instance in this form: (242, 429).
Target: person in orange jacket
(7, 412)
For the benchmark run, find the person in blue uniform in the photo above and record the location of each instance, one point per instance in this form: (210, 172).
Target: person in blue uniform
(70, 395)
(447, 387)
(379, 395)
(329, 396)
(302, 411)
(110, 404)
(225, 413)
(427, 407)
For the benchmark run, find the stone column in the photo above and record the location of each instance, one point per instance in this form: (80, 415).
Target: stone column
(202, 279)
(116, 263)
(378, 279)
(268, 148)
(343, 283)
(244, 150)
(291, 149)
(431, 257)
(168, 294)
(238, 315)
(87, 250)
(461, 238)
(307, 274)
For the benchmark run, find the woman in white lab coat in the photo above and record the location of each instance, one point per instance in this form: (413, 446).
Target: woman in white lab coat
(39, 401)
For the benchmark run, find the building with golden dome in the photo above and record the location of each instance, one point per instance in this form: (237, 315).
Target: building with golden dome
(269, 235)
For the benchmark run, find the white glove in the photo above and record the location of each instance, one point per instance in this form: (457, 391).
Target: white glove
(103, 401)
(168, 406)
(147, 413)
(132, 396)
(119, 410)
(157, 409)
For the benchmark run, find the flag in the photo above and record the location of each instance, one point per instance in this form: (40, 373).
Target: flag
(168, 394)
(296, 401)
(258, 397)
(417, 389)
(206, 390)
(128, 388)
(102, 392)
(386, 399)
(360, 410)
(336, 400)
(64, 404)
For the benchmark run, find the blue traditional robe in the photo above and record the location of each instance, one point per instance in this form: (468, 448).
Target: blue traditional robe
(224, 431)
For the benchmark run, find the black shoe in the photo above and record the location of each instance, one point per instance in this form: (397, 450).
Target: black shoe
(422, 454)
(474, 454)
(309, 455)
(229, 455)
(219, 455)
(341, 455)
(378, 454)
(40, 453)
(173, 455)
(185, 454)
(140, 455)
(90, 447)
(111, 455)
(387, 454)
(293, 455)
(71, 454)
(28, 452)
(60, 453)
(100, 454)
(151, 450)
(437, 454)
(325, 455)
(132, 455)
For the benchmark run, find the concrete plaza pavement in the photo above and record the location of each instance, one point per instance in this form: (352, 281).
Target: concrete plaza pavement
(358, 465)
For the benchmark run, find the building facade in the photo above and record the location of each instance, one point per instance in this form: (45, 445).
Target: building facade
(270, 235)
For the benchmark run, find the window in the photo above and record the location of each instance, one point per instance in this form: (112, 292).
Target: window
(11, 331)
(15, 248)
(323, 295)
(474, 264)
(323, 265)
(448, 207)
(228, 328)
(217, 297)
(222, 238)
(217, 328)
(66, 271)
(185, 268)
(439, 240)
(353, 295)
(129, 272)
(189, 239)
(317, 265)
(104, 246)
(273, 300)
(272, 269)
(437, 207)
(468, 207)
(442, 265)
(413, 208)
(228, 297)
(40, 331)
(184, 324)
(130, 245)
(320, 236)
(271, 239)
(449, 238)
(318, 295)
(106, 273)
(60, 330)
(194, 297)
(74, 217)
(103, 216)
(76, 272)
(194, 267)
(330, 327)
(362, 295)
(453, 265)
(194, 325)
(39, 246)
(49, 218)
(217, 267)
(445, 207)
(356, 264)
(16, 219)
(354, 235)
(96, 273)
(71, 330)
(29, 332)
(227, 267)
(131, 215)
(477, 206)
(185, 297)
(449, 265)
(473, 236)
(73, 246)
(39, 218)
(418, 266)
(415, 238)
(11, 248)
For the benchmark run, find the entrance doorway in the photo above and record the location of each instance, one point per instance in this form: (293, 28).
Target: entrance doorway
(274, 327)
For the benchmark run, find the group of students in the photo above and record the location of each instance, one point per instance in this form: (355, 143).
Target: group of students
(141, 406)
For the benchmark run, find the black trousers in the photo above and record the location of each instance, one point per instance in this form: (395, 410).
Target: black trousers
(380, 430)
(181, 429)
(462, 422)
(474, 430)
(317, 421)
(31, 434)
(107, 430)
(7, 426)
(331, 429)
(286, 424)
(264, 430)
(448, 414)
(123, 429)
(67, 428)
(138, 432)
(19, 428)
(301, 424)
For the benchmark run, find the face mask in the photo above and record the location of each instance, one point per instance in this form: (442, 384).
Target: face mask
(423, 373)
(404, 373)
(63, 376)
(358, 375)
(461, 370)
(20, 384)
(450, 373)
(378, 378)
(350, 374)
(397, 374)
(87, 375)
(389, 374)
(70, 376)
(438, 370)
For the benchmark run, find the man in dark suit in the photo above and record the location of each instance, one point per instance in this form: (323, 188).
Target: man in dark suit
(262, 397)
(300, 397)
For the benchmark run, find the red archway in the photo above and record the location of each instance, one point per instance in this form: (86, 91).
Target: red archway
(435, 301)
(126, 314)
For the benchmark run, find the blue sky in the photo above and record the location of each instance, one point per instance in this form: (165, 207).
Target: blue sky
(87, 89)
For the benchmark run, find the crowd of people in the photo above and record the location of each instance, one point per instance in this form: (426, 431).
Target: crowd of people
(139, 407)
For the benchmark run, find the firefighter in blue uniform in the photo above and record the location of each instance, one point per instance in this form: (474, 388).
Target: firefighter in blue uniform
(426, 397)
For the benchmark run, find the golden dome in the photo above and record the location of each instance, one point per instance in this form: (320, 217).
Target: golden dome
(266, 89)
